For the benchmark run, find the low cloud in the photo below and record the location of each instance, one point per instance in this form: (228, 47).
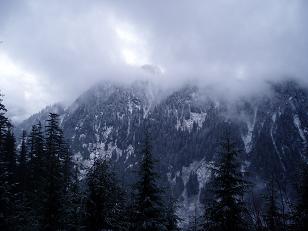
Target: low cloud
(56, 49)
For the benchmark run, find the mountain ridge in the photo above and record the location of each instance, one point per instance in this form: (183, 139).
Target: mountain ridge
(185, 128)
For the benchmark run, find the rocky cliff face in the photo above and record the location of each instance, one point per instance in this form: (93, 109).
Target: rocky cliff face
(185, 128)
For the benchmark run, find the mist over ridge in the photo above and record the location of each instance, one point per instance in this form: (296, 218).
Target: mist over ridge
(53, 51)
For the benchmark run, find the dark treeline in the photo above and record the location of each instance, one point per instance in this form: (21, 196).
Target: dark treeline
(41, 189)
(230, 204)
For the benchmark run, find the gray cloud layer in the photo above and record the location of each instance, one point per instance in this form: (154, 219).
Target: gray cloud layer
(53, 50)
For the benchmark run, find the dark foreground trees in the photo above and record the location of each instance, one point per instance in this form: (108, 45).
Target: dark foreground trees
(7, 171)
(41, 189)
(105, 208)
(300, 215)
(149, 205)
(226, 209)
(33, 183)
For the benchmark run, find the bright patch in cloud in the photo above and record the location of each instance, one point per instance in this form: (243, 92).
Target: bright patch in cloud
(130, 56)
(132, 46)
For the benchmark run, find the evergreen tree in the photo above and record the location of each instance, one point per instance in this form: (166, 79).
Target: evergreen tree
(172, 219)
(255, 213)
(7, 164)
(67, 165)
(227, 209)
(10, 156)
(35, 184)
(301, 208)
(70, 186)
(37, 171)
(104, 199)
(12, 187)
(9, 182)
(54, 174)
(49, 170)
(272, 216)
(72, 216)
(149, 207)
(23, 208)
(131, 212)
(22, 171)
(3, 124)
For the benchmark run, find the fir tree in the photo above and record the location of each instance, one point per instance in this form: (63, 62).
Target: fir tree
(9, 177)
(23, 204)
(67, 165)
(22, 171)
(226, 210)
(3, 124)
(72, 213)
(7, 165)
(172, 219)
(54, 175)
(37, 170)
(70, 184)
(10, 156)
(104, 199)
(149, 207)
(37, 159)
(272, 215)
(301, 209)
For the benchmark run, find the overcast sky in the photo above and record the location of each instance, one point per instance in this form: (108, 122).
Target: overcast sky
(53, 50)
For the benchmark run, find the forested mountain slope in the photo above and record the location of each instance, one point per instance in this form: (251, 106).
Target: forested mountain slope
(185, 128)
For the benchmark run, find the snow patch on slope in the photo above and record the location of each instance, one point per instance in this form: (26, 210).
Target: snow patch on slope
(107, 131)
(190, 206)
(247, 139)
(274, 117)
(187, 124)
(298, 125)
(129, 152)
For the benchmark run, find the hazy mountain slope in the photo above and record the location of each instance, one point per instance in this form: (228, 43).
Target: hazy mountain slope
(185, 128)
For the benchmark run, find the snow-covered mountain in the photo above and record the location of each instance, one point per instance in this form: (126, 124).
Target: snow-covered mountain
(185, 127)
